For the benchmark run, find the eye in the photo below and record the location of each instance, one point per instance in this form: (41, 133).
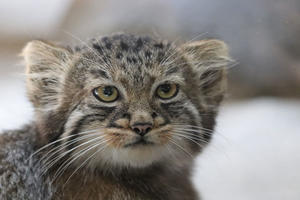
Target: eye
(106, 93)
(167, 91)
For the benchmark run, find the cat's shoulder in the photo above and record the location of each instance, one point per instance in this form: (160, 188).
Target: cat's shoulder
(20, 177)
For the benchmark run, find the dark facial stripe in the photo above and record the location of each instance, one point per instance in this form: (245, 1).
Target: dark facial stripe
(100, 116)
(123, 113)
(208, 122)
(80, 123)
(192, 121)
(53, 119)
(173, 108)
(159, 112)
(103, 108)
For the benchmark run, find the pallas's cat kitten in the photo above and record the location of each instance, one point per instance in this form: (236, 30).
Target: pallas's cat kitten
(118, 117)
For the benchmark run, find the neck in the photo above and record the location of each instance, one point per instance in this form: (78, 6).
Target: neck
(153, 182)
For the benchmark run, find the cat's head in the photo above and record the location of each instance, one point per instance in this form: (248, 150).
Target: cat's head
(125, 100)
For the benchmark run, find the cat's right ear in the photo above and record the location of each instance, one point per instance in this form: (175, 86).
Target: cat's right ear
(209, 59)
(46, 65)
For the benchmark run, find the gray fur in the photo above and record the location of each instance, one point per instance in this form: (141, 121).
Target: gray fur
(20, 177)
(96, 156)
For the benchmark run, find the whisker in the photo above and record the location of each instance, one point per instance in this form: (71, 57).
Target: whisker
(62, 146)
(167, 146)
(99, 150)
(198, 127)
(194, 140)
(55, 160)
(172, 141)
(206, 131)
(90, 48)
(56, 141)
(196, 137)
(106, 65)
(195, 131)
(164, 62)
(209, 131)
(196, 37)
(90, 61)
(69, 161)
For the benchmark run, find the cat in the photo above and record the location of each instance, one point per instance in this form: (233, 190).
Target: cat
(117, 117)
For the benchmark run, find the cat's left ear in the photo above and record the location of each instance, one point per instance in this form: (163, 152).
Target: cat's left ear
(209, 59)
(46, 65)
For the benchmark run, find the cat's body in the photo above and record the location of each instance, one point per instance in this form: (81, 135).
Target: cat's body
(157, 182)
(119, 117)
(22, 179)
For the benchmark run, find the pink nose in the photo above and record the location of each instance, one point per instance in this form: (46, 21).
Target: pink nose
(141, 128)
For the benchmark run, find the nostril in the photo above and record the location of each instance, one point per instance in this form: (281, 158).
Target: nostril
(142, 129)
(137, 130)
(147, 130)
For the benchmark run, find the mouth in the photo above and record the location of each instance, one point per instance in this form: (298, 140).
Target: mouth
(139, 142)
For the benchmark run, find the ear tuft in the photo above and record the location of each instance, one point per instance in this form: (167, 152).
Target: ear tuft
(36, 53)
(46, 65)
(207, 51)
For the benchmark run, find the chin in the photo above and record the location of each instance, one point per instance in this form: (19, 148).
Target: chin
(137, 156)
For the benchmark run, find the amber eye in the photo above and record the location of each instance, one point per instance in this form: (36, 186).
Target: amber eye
(167, 91)
(106, 93)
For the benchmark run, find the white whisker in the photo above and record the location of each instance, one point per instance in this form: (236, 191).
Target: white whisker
(194, 140)
(90, 48)
(56, 141)
(198, 138)
(62, 146)
(184, 150)
(52, 162)
(99, 150)
(69, 161)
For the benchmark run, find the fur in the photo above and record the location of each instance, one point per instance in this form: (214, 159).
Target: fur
(85, 148)
(21, 177)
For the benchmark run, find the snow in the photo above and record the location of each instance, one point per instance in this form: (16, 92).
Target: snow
(254, 154)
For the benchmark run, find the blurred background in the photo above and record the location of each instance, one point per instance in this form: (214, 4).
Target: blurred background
(255, 151)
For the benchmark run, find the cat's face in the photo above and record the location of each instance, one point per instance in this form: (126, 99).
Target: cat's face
(125, 100)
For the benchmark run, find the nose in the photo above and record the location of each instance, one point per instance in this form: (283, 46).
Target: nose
(141, 128)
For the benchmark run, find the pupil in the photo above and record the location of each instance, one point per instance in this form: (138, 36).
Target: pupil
(165, 88)
(108, 91)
